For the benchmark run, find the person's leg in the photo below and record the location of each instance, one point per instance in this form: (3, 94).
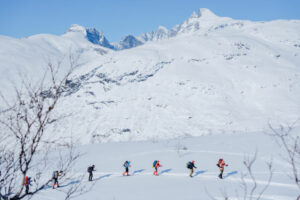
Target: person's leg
(127, 171)
(90, 176)
(221, 173)
(27, 189)
(55, 180)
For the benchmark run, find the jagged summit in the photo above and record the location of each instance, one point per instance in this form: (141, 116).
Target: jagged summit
(204, 12)
(97, 37)
(76, 28)
(128, 42)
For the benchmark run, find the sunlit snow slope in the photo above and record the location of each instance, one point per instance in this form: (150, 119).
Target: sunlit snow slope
(208, 75)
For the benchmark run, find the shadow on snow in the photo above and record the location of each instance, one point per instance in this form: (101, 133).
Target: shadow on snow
(101, 177)
(230, 174)
(70, 183)
(165, 171)
(138, 171)
(200, 172)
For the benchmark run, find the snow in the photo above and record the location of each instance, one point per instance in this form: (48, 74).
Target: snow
(211, 84)
(173, 181)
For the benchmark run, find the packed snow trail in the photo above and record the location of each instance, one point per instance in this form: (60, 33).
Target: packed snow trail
(230, 176)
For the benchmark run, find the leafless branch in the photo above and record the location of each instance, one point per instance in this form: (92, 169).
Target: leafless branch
(24, 125)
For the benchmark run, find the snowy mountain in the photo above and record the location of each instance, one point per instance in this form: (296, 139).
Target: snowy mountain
(128, 42)
(159, 34)
(209, 75)
(199, 20)
(97, 37)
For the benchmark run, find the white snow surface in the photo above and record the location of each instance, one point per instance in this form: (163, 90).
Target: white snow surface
(173, 181)
(215, 75)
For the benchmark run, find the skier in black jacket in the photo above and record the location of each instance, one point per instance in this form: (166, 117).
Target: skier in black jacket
(191, 166)
(90, 171)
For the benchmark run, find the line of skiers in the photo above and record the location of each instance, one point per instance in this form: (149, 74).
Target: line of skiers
(156, 164)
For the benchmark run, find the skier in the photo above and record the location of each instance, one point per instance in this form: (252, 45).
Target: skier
(126, 165)
(90, 170)
(55, 176)
(221, 164)
(27, 182)
(191, 166)
(156, 165)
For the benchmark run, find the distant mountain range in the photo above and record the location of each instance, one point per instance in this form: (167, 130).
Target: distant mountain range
(190, 25)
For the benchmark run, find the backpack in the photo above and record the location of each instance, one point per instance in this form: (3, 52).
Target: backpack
(125, 164)
(26, 180)
(154, 163)
(89, 169)
(189, 165)
(219, 162)
(55, 174)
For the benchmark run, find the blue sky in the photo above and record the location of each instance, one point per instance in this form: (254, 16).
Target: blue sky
(116, 18)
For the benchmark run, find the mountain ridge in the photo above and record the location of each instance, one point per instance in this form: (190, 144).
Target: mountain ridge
(97, 37)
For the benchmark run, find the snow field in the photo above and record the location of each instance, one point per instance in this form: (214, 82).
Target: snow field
(173, 181)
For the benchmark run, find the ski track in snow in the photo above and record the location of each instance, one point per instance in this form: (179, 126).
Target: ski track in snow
(206, 175)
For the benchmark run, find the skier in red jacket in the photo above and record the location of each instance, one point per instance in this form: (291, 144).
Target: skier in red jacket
(156, 165)
(27, 183)
(221, 164)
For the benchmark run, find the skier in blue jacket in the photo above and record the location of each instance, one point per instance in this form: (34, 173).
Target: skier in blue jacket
(126, 165)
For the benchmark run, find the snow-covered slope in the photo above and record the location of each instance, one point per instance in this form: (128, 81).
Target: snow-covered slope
(210, 75)
(27, 58)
